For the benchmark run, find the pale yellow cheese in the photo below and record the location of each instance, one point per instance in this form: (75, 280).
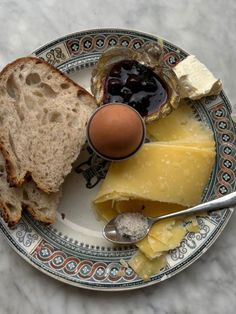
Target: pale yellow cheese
(162, 230)
(182, 128)
(106, 211)
(168, 240)
(166, 235)
(159, 172)
(163, 236)
(192, 224)
(145, 247)
(148, 208)
(144, 267)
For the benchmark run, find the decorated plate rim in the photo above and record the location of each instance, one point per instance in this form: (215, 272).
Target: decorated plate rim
(130, 286)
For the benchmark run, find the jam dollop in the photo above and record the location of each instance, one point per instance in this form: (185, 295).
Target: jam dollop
(136, 85)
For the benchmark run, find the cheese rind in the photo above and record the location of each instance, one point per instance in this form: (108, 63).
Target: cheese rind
(195, 80)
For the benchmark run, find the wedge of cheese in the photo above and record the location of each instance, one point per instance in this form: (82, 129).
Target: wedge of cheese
(195, 80)
(181, 128)
(161, 173)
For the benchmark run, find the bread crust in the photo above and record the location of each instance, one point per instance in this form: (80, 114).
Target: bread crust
(9, 220)
(35, 214)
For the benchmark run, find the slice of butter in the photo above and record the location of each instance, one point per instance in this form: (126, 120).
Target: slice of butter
(195, 80)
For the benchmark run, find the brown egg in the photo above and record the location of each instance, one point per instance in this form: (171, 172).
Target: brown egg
(116, 131)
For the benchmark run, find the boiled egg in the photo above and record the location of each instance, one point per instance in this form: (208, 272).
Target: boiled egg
(116, 131)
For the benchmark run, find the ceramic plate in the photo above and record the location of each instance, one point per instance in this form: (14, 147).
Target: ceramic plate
(73, 249)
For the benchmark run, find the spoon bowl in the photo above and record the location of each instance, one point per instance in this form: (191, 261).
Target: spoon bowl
(112, 234)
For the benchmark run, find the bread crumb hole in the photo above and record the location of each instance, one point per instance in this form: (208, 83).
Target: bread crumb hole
(38, 116)
(44, 210)
(21, 77)
(55, 117)
(74, 110)
(32, 79)
(12, 88)
(25, 196)
(37, 93)
(2, 92)
(49, 77)
(65, 85)
(11, 207)
(2, 168)
(47, 90)
(22, 67)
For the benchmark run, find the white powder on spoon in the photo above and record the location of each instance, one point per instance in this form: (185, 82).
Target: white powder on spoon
(131, 225)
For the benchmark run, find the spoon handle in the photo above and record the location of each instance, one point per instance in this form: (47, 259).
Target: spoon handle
(228, 200)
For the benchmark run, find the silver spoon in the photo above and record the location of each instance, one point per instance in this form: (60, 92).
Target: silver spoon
(111, 233)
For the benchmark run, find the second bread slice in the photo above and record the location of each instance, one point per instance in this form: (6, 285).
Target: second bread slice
(40, 205)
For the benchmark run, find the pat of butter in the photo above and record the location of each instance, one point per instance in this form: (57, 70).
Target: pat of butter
(195, 80)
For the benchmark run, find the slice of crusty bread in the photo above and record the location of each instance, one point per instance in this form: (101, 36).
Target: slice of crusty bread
(43, 115)
(40, 205)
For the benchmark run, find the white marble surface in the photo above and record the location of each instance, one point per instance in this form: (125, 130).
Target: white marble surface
(204, 28)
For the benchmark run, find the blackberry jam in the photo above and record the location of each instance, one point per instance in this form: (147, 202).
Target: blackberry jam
(136, 85)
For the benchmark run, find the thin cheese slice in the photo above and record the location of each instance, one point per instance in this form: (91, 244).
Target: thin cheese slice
(182, 128)
(166, 242)
(163, 236)
(145, 247)
(159, 172)
(192, 224)
(162, 230)
(144, 267)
